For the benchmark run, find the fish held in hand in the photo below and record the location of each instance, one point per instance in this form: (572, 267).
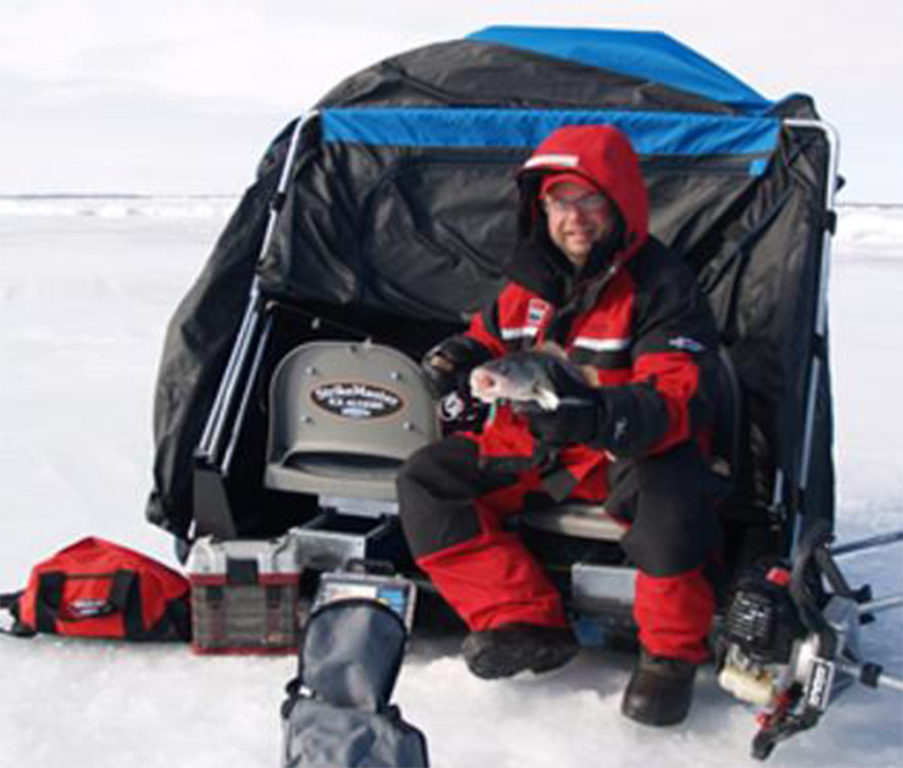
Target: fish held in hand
(526, 378)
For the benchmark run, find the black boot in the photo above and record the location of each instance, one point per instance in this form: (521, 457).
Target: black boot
(660, 690)
(512, 648)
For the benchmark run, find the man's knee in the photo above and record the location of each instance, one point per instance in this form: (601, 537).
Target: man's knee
(435, 500)
(682, 469)
(444, 470)
(414, 474)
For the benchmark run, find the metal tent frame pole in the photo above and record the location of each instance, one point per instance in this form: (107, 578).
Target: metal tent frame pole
(820, 331)
(215, 450)
(212, 437)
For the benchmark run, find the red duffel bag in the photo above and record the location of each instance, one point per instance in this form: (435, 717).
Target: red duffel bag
(94, 588)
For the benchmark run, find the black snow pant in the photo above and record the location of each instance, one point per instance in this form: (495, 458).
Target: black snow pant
(453, 509)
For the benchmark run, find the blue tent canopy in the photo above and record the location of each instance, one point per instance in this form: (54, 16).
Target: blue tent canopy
(743, 135)
(646, 55)
(751, 139)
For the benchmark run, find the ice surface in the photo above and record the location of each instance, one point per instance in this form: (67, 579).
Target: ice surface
(86, 289)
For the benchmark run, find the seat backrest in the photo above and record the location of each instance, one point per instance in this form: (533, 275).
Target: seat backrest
(343, 417)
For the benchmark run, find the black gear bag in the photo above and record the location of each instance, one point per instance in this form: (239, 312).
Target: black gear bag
(338, 712)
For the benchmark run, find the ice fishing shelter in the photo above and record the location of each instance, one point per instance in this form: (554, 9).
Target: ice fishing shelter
(389, 210)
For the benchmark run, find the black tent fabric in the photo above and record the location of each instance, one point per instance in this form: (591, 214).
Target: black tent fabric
(401, 205)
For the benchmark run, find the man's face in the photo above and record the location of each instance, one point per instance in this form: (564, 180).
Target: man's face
(578, 218)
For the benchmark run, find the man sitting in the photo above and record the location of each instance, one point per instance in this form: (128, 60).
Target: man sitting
(586, 276)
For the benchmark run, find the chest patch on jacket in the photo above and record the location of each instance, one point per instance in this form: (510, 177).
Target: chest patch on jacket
(686, 344)
(537, 311)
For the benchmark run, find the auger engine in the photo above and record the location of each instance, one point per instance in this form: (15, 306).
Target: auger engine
(790, 638)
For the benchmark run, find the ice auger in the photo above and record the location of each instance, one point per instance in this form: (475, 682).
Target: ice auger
(790, 639)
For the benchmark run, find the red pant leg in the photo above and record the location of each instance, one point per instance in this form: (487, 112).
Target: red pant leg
(452, 510)
(674, 614)
(493, 579)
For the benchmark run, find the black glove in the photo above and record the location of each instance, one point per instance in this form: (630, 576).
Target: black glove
(449, 363)
(577, 418)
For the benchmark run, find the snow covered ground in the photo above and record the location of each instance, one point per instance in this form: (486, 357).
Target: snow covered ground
(86, 288)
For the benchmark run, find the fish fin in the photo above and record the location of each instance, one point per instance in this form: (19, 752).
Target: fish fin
(547, 399)
(591, 374)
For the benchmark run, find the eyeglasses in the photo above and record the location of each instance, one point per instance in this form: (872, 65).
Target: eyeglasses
(592, 203)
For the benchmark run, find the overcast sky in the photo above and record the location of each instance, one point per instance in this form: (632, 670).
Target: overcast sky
(182, 96)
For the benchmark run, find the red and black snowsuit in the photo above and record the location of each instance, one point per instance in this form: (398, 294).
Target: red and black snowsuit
(636, 315)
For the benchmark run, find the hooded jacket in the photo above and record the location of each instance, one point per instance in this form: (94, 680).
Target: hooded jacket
(634, 315)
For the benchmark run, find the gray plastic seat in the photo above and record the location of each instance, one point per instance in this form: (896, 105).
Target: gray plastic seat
(586, 520)
(343, 417)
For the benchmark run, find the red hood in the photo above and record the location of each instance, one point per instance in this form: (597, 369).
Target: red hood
(603, 155)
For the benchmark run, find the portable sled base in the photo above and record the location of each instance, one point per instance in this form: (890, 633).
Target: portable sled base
(380, 222)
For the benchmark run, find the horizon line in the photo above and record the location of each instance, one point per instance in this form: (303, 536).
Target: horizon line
(227, 195)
